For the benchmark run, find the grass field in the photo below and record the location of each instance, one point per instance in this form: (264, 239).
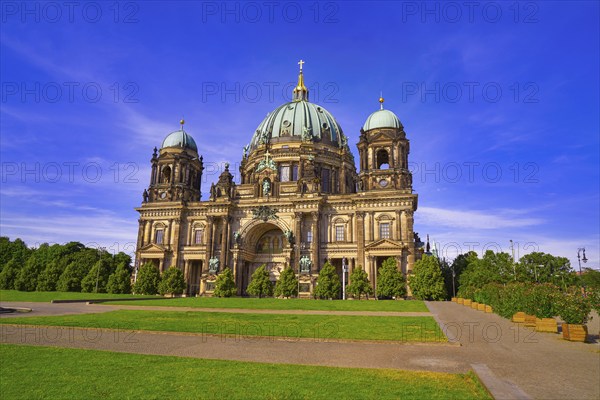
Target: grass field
(287, 304)
(410, 329)
(46, 297)
(52, 373)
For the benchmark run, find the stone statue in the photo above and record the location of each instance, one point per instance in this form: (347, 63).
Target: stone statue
(246, 147)
(306, 135)
(237, 237)
(266, 187)
(289, 235)
(305, 265)
(213, 192)
(213, 265)
(145, 196)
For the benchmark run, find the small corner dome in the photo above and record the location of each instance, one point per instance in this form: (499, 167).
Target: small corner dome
(180, 138)
(382, 119)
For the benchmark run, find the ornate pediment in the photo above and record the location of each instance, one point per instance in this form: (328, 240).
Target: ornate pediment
(153, 248)
(264, 213)
(384, 244)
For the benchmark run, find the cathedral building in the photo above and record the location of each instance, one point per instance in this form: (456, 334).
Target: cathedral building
(300, 201)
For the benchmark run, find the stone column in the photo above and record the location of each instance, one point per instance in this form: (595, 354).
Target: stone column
(175, 242)
(298, 236)
(360, 238)
(209, 238)
(404, 226)
(350, 235)
(161, 265)
(372, 226)
(140, 236)
(315, 243)
(147, 232)
(224, 240)
(186, 276)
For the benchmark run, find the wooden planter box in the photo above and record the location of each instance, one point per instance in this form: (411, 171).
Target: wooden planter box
(467, 302)
(481, 307)
(474, 305)
(489, 309)
(460, 300)
(574, 332)
(546, 325)
(519, 317)
(454, 299)
(530, 320)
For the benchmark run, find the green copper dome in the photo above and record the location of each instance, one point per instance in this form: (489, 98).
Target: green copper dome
(181, 139)
(382, 119)
(298, 120)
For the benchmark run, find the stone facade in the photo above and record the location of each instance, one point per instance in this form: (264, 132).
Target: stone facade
(299, 202)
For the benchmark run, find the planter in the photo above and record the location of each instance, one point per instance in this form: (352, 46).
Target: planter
(474, 305)
(481, 307)
(467, 302)
(574, 332)
(519, 317)
(460, 300)
(454, 299)
(530, 320)
(489, 309)
(546, 325)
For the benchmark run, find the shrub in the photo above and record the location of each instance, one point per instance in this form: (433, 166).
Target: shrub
(359, 283)
(49, 277)
(261, 284)
(542, 300)
(594, 296)
(573, 307)
(172, 282)
(328, 283)
(148, 279)
(225, 284)
(9, 274)
(390, 281)
(287, 285)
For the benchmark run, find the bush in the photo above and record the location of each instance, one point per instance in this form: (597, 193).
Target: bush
(148, 279)
(359, 283)
(9, 274)
(594, 296)
(120, 281)
(261, 284)
(573, 307)
(328, 283)
(427, 282)
(390, 281)
(50, 275)
(173, 282)
(542, 300)
(225, 284)
(287, 285)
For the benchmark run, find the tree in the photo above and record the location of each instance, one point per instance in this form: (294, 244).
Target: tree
(456, 268)
(544, 268)
(97, 277)
(225, 284)
(9, 274)
(120, 280)
(148, 279)
(390, 281)
(359, 283)
(493, 267)
(70, 279)
(172, 282)
(261, 284)
(427, 282)
(28, 275)
(17, 251)
(287, 285)
(328, 283)
(591, 278)
(49, 277)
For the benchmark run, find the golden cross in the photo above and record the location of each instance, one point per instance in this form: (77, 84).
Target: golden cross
(267, 154)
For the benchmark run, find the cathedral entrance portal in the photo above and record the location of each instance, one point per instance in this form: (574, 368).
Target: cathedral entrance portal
(264, 244)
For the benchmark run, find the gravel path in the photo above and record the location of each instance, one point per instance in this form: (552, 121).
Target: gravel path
(514, 361)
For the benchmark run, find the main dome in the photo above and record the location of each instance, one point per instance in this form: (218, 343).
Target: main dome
(294, 121)
(297, 121)
(180, 138)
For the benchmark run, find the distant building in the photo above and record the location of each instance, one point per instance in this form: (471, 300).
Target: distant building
(299, 202)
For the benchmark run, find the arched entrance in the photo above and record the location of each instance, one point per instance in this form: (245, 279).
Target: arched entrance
(263, 243)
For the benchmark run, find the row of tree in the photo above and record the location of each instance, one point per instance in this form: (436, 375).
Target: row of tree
(71, 267)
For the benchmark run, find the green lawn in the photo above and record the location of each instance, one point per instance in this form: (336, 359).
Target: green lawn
(287, 304)
(46, 297)
(412, 329)
(56, 373)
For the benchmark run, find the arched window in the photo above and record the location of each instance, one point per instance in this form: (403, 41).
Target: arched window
(166, 175)
(383, 159)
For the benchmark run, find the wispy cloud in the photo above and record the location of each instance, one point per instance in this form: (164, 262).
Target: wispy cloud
(476, 219)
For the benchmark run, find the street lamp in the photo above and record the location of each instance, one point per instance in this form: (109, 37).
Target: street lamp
(512, 249)
(344, 270)
(580, 259)
(100, 250)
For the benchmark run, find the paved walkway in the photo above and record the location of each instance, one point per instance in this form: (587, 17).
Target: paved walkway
(541, 366)
(49, 309)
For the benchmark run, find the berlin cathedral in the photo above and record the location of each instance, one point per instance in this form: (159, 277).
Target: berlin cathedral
(299, 202)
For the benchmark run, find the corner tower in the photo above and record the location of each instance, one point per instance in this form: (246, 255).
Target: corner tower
(383, 150)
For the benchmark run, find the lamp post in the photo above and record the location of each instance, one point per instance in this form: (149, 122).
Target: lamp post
(512, 250)
(100, 250)
(344, 270)
(580, 251)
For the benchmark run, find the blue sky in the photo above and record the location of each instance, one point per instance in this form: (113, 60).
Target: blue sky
(500, 102)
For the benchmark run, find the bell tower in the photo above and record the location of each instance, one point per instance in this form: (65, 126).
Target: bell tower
(383, 150)
(176, 170)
